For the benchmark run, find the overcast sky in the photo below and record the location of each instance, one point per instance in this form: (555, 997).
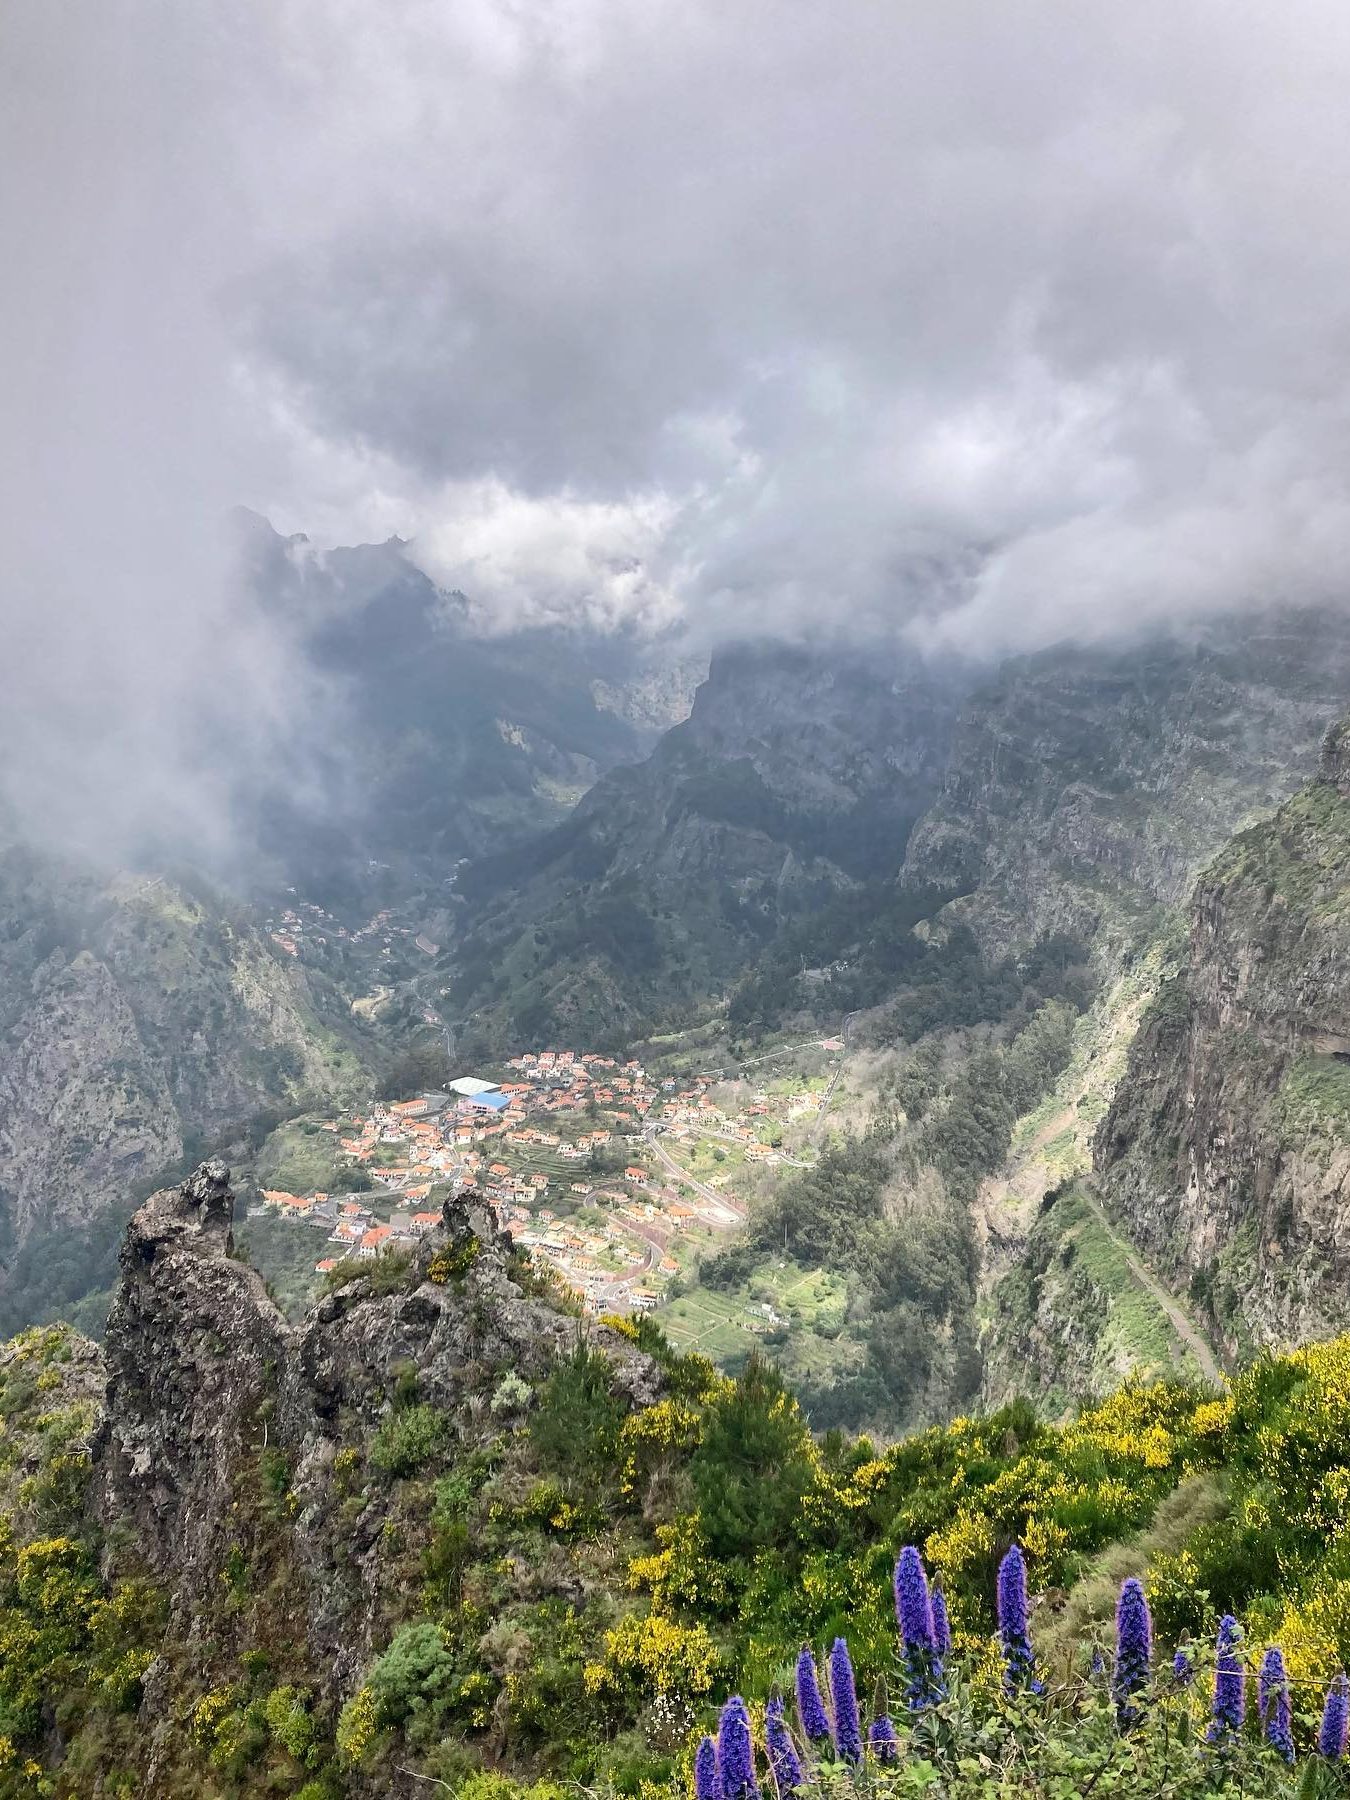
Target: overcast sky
(1015, 319)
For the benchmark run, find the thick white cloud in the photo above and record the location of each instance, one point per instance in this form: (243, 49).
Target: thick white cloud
(1012, 321)
(1031, 315)
(523, 561)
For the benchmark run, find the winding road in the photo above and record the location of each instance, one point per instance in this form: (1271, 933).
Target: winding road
(828, 1095)
(701, 1188)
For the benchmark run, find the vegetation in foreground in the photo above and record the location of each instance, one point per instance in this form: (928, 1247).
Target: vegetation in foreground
(987, 1718)
(570, 1595)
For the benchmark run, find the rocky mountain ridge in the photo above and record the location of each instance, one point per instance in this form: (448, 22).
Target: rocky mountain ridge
(248, 1473)
(138, 1018)
(1226, 1153)
(207, 1383)
(441, 741)
(1087, 787)
(796, 775)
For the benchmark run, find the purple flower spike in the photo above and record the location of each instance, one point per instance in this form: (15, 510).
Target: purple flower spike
(919, 1651)
(913, 1607)
(736, 1752)
(1272, 1696)
(848, 1741)
(1335, 1721)
(1134, 1648)
(810, 1706)
(1183, 1669)
(885, 1744)
(783, 1758)
(1019, 1665)
(942, 1630)
(1230, 1684)
(707, 1775)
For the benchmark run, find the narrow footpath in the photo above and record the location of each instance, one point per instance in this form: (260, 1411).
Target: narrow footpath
(1194, 1341)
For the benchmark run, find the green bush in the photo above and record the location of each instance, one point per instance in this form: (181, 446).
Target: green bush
(409, 1439)
(578, 1417)
(415, 1676)
(286, 1710)
(753, 1463)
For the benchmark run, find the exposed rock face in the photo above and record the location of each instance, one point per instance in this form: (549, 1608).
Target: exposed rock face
(796, 774)
(83, 1109)
(1087, 786)
(214, 1401)
(193, 1352)
(134, 1016)
(1227, 1151)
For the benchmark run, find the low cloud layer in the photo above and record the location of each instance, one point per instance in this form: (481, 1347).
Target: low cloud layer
(994, 324)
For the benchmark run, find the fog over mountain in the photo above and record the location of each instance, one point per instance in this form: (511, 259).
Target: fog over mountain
(993, 324)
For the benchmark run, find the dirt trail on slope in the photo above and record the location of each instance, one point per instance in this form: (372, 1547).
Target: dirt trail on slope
(1185, 1330)
(1009, 1199)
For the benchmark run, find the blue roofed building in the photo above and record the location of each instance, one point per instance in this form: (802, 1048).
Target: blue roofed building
(494, 1101)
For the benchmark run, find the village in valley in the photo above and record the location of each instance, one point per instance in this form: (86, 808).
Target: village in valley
(613, 1176)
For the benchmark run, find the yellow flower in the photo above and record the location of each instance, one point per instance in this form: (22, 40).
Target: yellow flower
(656, 1655)
(967, 1541)
(1043, 1540)
(357, 1725)
(669, 1427)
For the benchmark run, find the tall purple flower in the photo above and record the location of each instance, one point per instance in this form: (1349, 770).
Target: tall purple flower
(1229, 1707)
(1019, 1665)
(848, 1741)
(1335, 1721)
(811, 1714)
(707, 1775)
(919, 1651)
(1183, 1669)
(1272, 1701)
(1134, 1648)
(783, 1757)
(881, 1736)
(942, 1630)
(736, 1752)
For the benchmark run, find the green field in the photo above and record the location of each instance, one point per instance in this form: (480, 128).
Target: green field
(300, 1158)
(808, 1304)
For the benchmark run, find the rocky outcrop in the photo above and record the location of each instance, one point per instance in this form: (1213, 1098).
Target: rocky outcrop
(1226, 1154)
(1087, 786)
(83, 1108)
(229, 1436)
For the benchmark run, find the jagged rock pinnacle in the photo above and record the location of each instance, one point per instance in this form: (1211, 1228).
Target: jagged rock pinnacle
(208, 1187)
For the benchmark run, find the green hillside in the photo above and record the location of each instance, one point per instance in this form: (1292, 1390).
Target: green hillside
(572, 1589)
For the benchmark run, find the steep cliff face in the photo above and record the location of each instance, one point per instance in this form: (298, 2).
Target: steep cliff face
(135, 1018)
(1226, 1153)
(1087, 786)
(234, 1469)
(795, 775)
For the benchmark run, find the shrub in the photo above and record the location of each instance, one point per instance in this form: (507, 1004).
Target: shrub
(646, 1655)
(578, 1418)
(288, 1717)
(512, 1394)
(358, 1725)
(408, 1440)
(386, 1273)
(753, 1464)
(415, 1675)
